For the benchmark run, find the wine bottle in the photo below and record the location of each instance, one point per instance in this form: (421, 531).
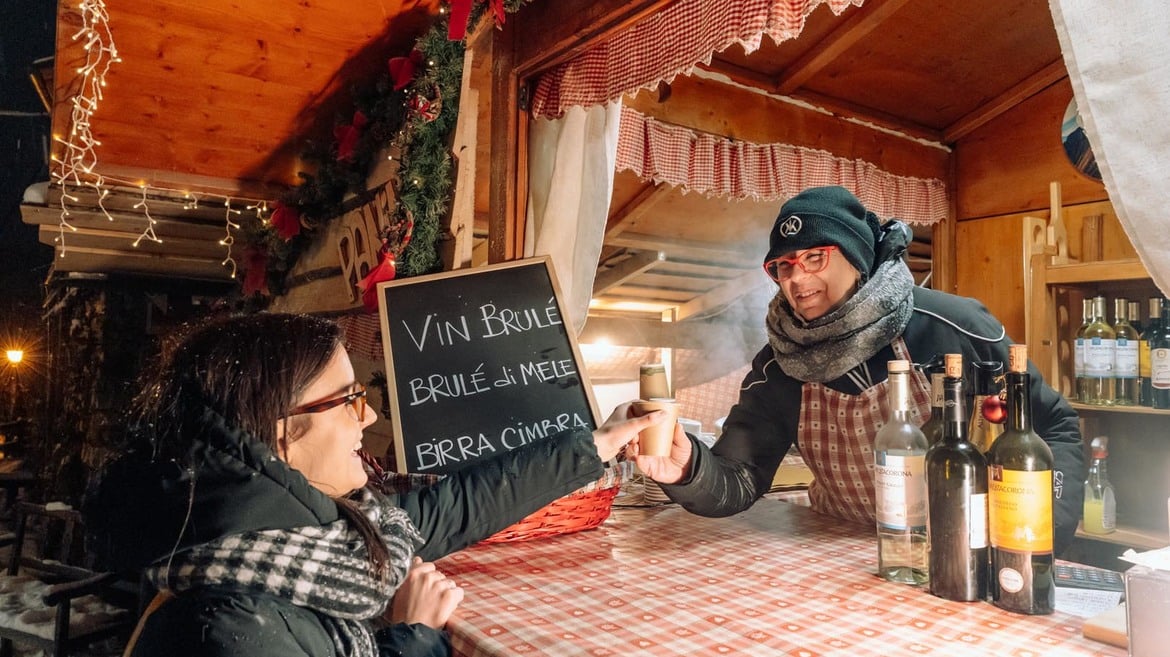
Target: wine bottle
(1127, 390)
(1133, 312)
(1019, 496)
(956, 485)
(1100, 509)
(1160, 361)
(1082, 385)
(985, 377)
(899, 451)
(933, 426)
(1099, 346)
(1153, 327)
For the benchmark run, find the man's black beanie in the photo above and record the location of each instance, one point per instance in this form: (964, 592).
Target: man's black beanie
(820, 216)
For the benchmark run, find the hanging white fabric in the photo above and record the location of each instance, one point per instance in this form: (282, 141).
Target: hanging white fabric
(1118, 60)
(570, 183)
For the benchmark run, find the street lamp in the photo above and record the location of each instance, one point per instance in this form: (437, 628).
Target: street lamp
(14, 358)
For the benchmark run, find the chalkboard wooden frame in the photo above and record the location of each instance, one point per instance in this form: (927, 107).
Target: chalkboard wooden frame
(504, 367)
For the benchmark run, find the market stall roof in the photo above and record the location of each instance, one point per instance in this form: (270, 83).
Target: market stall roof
(224, 96)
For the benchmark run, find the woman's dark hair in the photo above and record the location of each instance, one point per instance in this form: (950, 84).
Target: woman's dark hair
(249, 369)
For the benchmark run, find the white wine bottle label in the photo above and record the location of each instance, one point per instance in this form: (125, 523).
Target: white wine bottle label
(1125, 359)
(900, 483)
(1099, 357)
(1019, 509)
(977, 523)
(1160, 368)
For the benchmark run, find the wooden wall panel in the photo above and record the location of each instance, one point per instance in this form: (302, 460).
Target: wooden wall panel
(1005, 166)
(989, 266)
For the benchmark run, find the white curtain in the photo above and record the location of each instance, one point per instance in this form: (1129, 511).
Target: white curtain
(570, 182)
(1118, 57)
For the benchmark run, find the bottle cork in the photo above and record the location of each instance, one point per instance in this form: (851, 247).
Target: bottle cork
(1018, 358)
(953, 363)
(898, 366)
(652, 382)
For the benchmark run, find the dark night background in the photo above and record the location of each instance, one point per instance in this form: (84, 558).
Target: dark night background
(26, 34)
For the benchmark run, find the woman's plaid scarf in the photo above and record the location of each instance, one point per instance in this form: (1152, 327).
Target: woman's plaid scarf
(324, 568)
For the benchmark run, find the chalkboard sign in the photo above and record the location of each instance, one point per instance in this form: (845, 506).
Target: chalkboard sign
(479, 362)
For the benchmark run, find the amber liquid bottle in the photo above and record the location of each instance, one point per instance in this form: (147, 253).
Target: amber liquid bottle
(985, 381)
(956, 484)
(1020, 499)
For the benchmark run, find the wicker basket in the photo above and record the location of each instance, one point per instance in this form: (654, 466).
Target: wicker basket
(582, 509)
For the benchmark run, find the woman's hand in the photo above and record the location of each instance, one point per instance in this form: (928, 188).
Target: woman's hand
(426, 596)
(665, 469)
(620, 429)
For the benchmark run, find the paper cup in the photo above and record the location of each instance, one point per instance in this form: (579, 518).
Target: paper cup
(655, 440)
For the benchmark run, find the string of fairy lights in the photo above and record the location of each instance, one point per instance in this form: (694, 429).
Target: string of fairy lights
(76, 168)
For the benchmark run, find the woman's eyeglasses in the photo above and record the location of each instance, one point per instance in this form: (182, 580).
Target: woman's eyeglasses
(355, 400)
(810, 262)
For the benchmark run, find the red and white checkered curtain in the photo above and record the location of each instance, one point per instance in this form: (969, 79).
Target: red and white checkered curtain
(670, 42)
(714, 165)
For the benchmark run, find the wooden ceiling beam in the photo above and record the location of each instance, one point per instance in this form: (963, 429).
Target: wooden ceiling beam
(638, 207)
(625, 270)
(858, 26)
(832, 106)
(677, 248)
(1027, 88)
(721, 295)
(713, 336)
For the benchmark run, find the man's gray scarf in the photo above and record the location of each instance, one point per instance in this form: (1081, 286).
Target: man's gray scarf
(829, 346)
(324, 568)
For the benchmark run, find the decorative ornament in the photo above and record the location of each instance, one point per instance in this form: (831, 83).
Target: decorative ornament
(286, 221)
(395, 239)
(256, 271)
(347, 136)
(427, 109)
(994, 409)
(402, 69)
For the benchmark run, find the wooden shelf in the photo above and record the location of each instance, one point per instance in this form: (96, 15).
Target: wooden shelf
(1129, 536)
(1096, 272)
(1131, 410)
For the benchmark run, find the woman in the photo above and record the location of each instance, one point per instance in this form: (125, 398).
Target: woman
(245, 499)
(847, 305)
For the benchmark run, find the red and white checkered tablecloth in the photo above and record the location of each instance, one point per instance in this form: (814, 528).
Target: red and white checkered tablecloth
(670, 42)
(777, 579)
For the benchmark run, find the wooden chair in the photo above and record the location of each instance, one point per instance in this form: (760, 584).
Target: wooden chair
(49, 597)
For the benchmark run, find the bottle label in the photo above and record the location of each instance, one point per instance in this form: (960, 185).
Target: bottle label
(1019, 509)
(1160, 368)
(900, 484)
(977, 523)
(1144, 359)
(1099, 357)
(1125, 359)
(1079, 358)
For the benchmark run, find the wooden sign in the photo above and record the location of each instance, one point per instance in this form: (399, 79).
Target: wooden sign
(479, 362)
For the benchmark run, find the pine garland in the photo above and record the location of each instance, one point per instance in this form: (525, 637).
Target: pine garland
(416, 123)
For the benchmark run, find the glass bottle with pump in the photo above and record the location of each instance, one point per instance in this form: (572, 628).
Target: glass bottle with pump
(1019, 503)
(1160, 361)
(1100, 510)
(1127, 388)
(1082, 386)
(956, 483)
(985, 379)
(899, 451)
(1100, 342)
